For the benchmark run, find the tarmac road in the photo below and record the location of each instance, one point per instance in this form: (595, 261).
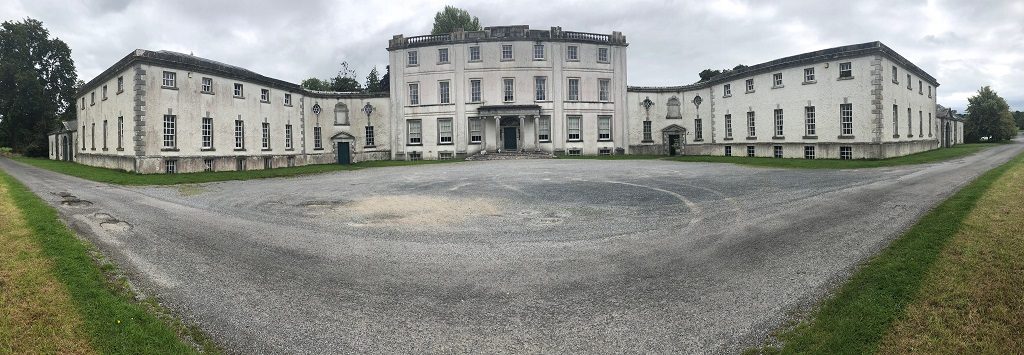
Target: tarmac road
(505, 256)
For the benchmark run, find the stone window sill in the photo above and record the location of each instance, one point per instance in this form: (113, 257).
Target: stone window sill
(726, 95)
(749, 92)
(698, 140)
(169, 149)
(647, 141)
(810, 137)
(446, 143)
(727, 139)
(778, 87)
(238, 97)
(264, 102)
(414, 144)
(778, 137)
(206, 92)
(119, 92)
(845, 137)
(810, 82)
(105, 149)
(169, 87)
(441, 63)
(895, 136)
(266, 149)
(751, 138)
(207, 150)
(320, 149)
(120, 149)
(845, 78)
(239, 149)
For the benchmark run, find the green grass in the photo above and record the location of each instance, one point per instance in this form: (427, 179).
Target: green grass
(114, 323)
(121, 177)
(857, 317)
(930, 156)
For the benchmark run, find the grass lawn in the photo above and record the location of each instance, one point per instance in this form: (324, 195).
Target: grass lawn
(930, 156)
(121, 177)
(54, 298)
(952, 283)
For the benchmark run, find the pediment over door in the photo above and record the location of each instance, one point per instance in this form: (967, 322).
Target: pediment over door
(674, 129)
(343, 136)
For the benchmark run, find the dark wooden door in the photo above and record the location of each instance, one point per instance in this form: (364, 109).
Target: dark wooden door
(673, 142)
(509, 135)
(343, 154)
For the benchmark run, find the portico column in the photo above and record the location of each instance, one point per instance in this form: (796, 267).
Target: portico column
(522, 133)
(497, 133)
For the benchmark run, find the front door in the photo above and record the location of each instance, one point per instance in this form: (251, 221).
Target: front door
(509, 136)
(673, 144)
(343, 154)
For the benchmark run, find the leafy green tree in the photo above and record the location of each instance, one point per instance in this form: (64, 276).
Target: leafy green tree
(451, 18)
(37, 85)
(316, 84)
(989, 116)
(373, 81)
(707, 74)
(1018, 117)
(344, 81)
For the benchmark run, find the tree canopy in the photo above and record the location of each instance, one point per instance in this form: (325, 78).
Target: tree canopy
(1018, 117)
(345, 81)
(373, 83)
(988, 116)
(709, 73)
(452, 18)
(37, 85)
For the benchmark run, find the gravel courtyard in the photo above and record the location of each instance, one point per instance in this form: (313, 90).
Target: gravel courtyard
(506, 256)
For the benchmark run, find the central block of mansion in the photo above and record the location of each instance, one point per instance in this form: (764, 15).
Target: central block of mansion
(503, 89)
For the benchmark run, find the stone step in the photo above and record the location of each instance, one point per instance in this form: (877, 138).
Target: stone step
(511, 156)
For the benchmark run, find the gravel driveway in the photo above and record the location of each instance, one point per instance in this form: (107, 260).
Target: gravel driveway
(505, 256)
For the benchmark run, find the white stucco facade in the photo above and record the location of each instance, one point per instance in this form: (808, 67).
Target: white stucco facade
(503, 89)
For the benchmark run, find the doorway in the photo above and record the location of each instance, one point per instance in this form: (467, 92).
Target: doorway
(343, 154)
(673, 144)
(510, 137)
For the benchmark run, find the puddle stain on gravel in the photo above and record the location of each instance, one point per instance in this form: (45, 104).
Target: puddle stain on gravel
(405, 210)
(111, 224)
(71, 200)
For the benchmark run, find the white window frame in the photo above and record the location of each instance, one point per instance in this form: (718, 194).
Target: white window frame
(604, 90)
(445, 131)
(779, 123)
(474, 53)
(810, 126)
(170, 79)
(604, 128)
(544, 129)
(239, 134)
(508, 88)
(750, 85)
(698, 130)
(412, 59)
(777, 80)
(751, 124)
(414, 94)
(728, 125)
(120, 84)
(444, 92)
(170, 136)
(266, 135)
(475, 130)
(572, 91)
(895, 121)
(574, 125)
(207, 85)
(442, 56)
(510, 50)
(206, 130)
(265, 96)
(414, 131)
(648, 132)
(369, 137)
(809, 75)
(287, 99)
(603, 55)
(538, 51)
(288, 136)
(845, 119)
(572, 53)
(239, 90)
(540, 91)
(318, 138)
(809, 152)
(777, 151)
(845, 153)
(727, 90)
(846, 72)
(475, 91)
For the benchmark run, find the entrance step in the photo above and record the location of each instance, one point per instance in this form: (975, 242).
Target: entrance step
(511, 156)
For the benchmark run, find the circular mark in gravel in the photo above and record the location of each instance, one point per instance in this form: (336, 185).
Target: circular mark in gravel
(114, 225)
(75, 202)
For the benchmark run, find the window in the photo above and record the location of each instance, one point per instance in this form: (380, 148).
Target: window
(240, 164)
(442, 56)
(910, 123)
(83, 102)
(920, 126)
(414, 129)
(413, 156)
(895, 78)
(929, 124)
(444, 131)
(170, 166)
(920, 89)
(604, 87)
(445, 155)
(239, 134)
(728, 150)
(540, 84)
(238, 90)
(647, 132)
(287, 99)
(120, 84)
(910, 85)
(751, 131)
(698, 130)
(475, 134)
(750, 85)
(341, 114)
(169, 134)
(574, 89)
(572, 53)
(474, 91)
(103, 92)
(288, 136)
(92, 136)
(104, 134)
(414, 94)
(845, 153)
(845, 70)
(509, 86)
(574, 123)
(92, 98)
(750, 151)
(726, 90)
(728, 126)
(370, 140)
(266, 135)
(808, 75)
(443, 92)
(604, 151)
(83, 137)
(120, 132)
(808, 152)
(474, 53)
(602, 55)
(170, 79)
(846, 119)
(810, 128)
(207, 164)
(778, 123)
(777, 80)
(207, 85)
(574, 152)
(895, 121)
(413, 59)
(268, 163)
(318, 138)
(929, 91)
(604, 128)
(506, 52)
(538, 51)
(265, 96)
(777, 151)
(207, 132)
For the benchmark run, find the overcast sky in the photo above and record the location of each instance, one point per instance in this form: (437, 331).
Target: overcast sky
(964, 44)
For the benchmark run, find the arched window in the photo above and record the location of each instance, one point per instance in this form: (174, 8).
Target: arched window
(673, 108)
(341, 114)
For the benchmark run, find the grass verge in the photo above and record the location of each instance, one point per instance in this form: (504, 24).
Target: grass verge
(930, 156)
(857, 317)
(122, 177)
(109, 317)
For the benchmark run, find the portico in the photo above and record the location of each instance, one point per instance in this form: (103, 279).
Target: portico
(509, 128)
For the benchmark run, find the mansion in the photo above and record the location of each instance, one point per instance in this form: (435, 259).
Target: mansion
(503, 89)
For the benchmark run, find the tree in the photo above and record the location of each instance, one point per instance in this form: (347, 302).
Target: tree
(344, 81)
(707, 74)
(989, 116)
(1018, 117)
(452, 18)
(37, 85)
(373, 81)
